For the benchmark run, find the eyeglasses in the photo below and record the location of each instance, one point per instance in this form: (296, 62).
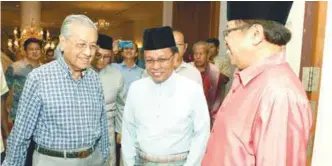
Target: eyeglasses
(227, 31)
(82, 45)
(160, 61)
(101, 56)
(180, 44)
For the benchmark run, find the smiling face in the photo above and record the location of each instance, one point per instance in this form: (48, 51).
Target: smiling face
(33, 51)
(159, 64)
(239, 45)
(130, 53)
(80, 47)
(102, 58)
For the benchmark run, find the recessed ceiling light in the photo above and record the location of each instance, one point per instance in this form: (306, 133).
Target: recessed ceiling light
(85, 12)
(17, 5)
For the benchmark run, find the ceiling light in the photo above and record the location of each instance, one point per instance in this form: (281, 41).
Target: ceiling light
(102, 24)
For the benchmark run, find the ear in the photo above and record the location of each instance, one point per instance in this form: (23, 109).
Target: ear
(177, 57)
(185, 47)
(62, 42)
(257, 34)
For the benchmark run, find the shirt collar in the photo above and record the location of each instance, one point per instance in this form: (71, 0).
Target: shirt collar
(26, 63)
(207, 69)
(163, 88)
(182, 65)
(254, 70)
(124, 65)
(104, 70)
(167, 83)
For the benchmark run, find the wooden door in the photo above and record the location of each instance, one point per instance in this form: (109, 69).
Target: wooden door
(197, 20)
(312, 53)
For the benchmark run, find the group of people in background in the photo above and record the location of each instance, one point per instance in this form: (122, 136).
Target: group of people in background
(97, 102)
(116, 75)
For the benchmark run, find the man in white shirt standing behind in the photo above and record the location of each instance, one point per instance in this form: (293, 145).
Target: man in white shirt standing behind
(166, 120)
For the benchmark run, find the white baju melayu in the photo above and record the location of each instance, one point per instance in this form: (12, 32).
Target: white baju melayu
(115, 95)
(164, 119)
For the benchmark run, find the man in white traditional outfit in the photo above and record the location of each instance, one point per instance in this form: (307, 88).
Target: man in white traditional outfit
(166, 119)
(114, 90)
(180, 66)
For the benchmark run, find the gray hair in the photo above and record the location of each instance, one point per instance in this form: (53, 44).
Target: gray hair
(71, 19)
(66, 24)
(203, 43)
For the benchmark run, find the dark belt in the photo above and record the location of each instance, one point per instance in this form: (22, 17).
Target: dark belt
(67, 154)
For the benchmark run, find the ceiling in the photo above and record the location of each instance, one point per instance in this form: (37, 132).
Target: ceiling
(54, 12)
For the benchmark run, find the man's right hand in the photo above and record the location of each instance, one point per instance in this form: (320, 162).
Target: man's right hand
(115, 46)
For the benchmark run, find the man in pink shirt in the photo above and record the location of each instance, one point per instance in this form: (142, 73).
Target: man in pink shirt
(265, 120)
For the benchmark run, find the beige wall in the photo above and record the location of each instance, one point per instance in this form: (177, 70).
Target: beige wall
(124, 31)
(139, 27)
(167, 13)
(133, 30)
(323, 144)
